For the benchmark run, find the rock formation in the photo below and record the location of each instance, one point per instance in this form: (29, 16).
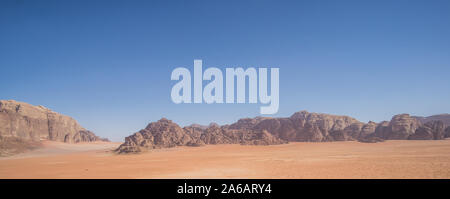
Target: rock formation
(23, 123)
(300, 127)
(399, 128)
(165, 134)
(445, 118)
(433, 130)
(35, 123)
(447, 132)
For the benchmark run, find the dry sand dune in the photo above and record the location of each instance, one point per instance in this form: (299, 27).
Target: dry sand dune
(390, 159)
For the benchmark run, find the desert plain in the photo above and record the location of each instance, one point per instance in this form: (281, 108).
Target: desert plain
(347, 159)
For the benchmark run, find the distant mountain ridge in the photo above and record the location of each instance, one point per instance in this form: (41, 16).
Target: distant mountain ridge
(445, 118)
(300, 127)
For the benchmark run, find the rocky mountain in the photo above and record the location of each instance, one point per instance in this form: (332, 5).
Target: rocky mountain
(300, 127)
(399, 128)
(165, 134)
(35, 123)
(433, 130)
(445, 118)
(404, 126)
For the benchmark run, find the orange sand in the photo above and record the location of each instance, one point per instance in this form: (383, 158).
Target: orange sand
(390, 159)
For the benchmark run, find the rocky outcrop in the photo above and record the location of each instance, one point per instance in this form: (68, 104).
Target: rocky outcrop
(35, 123)
(310, 127)
(161, 134)
(166, 134)
(368, 129)
(447, 132)
(404, 126)
(300, 127)
(444, 118)
(399, 128)
(433, 130)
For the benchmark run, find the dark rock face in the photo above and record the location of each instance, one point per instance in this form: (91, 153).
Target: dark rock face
(422, 133)
(445, 118)
(340, 135)
(438, 129)
(283, 128)
(447, 132)
(368, 129)
(433, 130)
(382, 130)
(35, 123)
(354, 130)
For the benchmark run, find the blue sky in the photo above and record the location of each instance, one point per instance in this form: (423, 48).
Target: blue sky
(108, 63)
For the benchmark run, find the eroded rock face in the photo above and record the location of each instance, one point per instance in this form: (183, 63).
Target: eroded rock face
(161, 134)
(368, 129)
(402, 126)
(447, 132)
(310, 127)
(35, 123)
(300, 127)
(326, 122)
(445, 118)
(399, 128)
(433, 130)
(165, 134)
(382, 130)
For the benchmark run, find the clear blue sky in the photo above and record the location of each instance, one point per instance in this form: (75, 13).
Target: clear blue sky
(108, 63)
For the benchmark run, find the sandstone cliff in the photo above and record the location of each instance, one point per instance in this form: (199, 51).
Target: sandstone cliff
(35, 123)
(433, 130)
(399, 128)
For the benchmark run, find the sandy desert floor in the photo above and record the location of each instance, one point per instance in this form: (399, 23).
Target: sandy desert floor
(390, 159)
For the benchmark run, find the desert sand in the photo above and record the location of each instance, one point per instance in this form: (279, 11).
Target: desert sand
(390, 159)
